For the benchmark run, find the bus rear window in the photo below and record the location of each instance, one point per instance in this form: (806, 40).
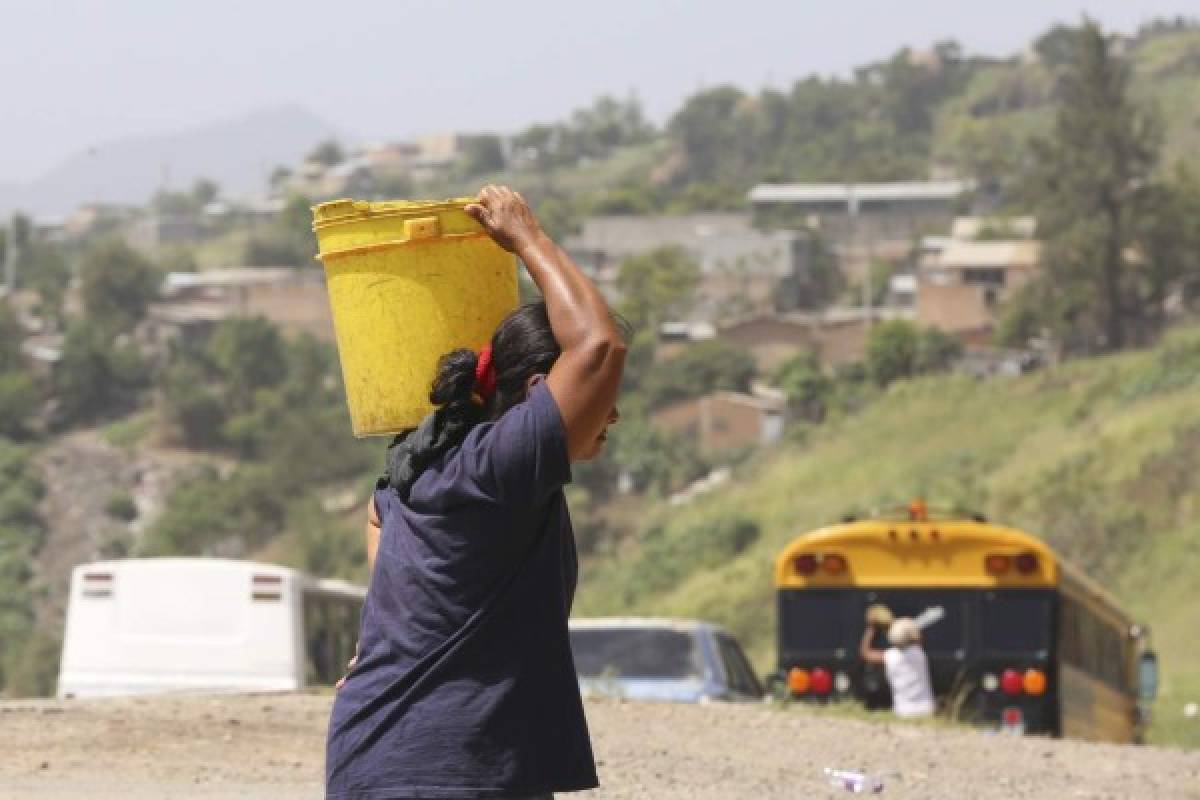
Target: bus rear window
(1016, 622)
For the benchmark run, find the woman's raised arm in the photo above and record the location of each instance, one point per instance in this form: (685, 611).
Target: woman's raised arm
(587, 376)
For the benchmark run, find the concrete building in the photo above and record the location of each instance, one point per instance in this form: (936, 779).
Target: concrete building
(863, 222)
(742, 269)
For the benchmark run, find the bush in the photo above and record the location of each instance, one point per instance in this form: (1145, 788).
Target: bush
(891, 351)
(212, 516)
(808, 389)
(898, 349)
(32, 669)
(24, 667)
(120, 506)
(936, 351)
(18, 402)
(193, 406)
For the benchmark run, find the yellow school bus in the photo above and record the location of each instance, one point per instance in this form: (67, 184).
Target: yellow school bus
(1015, 636)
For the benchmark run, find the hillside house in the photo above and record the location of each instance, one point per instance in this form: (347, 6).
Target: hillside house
(155, 231)
(836, 337)
(741, 269)
(193, 303)
(723, 422)
(963, 280)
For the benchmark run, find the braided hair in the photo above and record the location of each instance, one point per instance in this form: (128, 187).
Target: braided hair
(522, 346)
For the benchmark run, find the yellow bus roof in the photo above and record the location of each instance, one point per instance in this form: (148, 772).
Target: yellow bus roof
(927, 554)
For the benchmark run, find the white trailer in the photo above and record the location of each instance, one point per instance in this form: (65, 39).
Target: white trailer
(137, 626)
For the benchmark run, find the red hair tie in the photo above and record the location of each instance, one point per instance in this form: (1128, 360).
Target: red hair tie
(485, 374)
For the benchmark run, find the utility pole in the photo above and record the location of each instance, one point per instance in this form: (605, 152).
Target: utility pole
(852, 212)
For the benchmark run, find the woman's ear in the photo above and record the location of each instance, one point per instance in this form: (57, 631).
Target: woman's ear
(533, 381)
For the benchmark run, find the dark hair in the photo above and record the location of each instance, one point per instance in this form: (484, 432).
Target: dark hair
(522, 346)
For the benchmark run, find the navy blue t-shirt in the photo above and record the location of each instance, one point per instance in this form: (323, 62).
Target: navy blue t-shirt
(465, 686)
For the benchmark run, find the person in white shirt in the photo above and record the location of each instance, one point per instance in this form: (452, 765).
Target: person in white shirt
(905, 665)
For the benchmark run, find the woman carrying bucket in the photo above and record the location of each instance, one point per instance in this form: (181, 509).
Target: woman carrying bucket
(464, 685)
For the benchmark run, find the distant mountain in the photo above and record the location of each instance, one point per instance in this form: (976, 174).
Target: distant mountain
(238, 154)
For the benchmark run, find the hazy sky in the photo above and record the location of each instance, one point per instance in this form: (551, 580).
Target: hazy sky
(78, 73)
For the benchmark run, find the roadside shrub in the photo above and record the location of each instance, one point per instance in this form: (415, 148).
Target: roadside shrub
(120, 506)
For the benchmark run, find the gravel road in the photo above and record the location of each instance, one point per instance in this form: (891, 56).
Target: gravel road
(271, 746)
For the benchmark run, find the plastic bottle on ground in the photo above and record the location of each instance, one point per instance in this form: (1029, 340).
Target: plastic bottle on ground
(853, 781)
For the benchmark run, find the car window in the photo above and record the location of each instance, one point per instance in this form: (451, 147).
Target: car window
(635, 653)
(737, 669)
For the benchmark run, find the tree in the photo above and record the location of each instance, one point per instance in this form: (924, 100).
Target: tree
(117, 285)
(248, 353)
(936, 351)
(482, 154)
(807, 387)
(1170, 242)
(289, 241)
(279, 178)
(892, 351)
(712, 134)
(18, 393)
(653, 457)
(657, 286)
(10, 339)
(1088, 183)
(193, 405)
(204, 192)
(43, 268)
(700, 369)
(96, 377)
(328, 152)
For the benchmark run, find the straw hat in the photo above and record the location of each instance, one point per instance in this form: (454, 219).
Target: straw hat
(879, 614)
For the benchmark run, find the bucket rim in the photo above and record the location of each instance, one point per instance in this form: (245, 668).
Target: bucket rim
(325, 214)
(393, 244)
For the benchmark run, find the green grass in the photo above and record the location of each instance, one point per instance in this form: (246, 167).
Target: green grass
(1100, 457)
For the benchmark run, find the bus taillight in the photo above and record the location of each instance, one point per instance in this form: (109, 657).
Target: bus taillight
(798, 680)
(833, 563)
(997, 563)
(97, 584)
(821, 681)
(266, 587)
(1034, 682)
(1026, 563)
(1010, 682)
(806, 563)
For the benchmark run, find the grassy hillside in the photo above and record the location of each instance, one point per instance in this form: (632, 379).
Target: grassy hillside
(1100, 457)
(985, 129)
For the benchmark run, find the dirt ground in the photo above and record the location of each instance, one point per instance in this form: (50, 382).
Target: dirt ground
(271, 746)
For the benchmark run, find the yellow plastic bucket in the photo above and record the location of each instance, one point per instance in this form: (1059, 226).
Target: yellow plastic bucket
(408, 282)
